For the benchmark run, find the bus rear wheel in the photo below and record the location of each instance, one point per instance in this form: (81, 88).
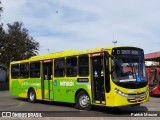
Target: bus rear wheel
(83, 101)
(32, 96)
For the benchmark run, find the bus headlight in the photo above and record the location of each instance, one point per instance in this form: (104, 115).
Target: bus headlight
(120, 92)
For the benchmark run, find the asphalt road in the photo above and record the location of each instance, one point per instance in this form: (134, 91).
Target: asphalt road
(55, 109)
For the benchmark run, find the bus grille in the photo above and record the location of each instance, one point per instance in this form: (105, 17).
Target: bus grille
(133, 100)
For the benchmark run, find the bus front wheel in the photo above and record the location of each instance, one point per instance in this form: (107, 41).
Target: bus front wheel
(32, 96)
(83, 101)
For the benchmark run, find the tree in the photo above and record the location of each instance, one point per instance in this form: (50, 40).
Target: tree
(1, 8)
(16, 44)
(2, 42)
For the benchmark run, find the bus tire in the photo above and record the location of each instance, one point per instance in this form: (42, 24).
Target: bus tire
(32, 96)
(83, 101)
(138, 104)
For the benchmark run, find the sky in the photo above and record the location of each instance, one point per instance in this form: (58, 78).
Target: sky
(60, 25)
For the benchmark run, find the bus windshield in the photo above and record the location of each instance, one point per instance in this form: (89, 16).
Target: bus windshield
(154, 77)
(153, 80)
(129, 69)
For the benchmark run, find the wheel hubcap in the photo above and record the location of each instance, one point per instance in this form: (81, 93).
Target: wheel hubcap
(32, 96)
(84, 101)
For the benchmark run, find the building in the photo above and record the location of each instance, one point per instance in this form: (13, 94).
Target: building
(152, 59)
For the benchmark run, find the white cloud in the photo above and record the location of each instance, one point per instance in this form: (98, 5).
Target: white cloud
(84, 24)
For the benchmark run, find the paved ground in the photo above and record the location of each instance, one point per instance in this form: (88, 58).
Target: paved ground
(62, 110)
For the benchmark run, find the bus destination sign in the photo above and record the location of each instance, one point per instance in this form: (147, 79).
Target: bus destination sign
(127, 52)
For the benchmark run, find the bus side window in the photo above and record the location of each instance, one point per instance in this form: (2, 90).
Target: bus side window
(83, 65)
(15, 71)
(24, 70)
(35, 69)
(59, 67)
(71, 66)
(159, 77)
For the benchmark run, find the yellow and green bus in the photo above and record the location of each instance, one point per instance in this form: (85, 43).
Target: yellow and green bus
(109, 76)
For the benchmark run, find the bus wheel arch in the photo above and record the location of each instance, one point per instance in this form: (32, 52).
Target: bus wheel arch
(82, 100)
(31, 95)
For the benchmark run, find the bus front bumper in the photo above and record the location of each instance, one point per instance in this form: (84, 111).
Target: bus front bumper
(123, 99)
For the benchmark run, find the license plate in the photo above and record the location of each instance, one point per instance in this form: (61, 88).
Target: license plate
(137, 98)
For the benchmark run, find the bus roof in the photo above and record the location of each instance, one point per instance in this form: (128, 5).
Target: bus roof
(68, 53)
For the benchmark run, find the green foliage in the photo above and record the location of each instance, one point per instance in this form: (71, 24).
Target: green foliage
(1, 8)
(2, 43)
(16, 44)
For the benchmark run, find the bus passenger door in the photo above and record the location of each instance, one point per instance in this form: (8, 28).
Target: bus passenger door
(98, 86)
(47, 71)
